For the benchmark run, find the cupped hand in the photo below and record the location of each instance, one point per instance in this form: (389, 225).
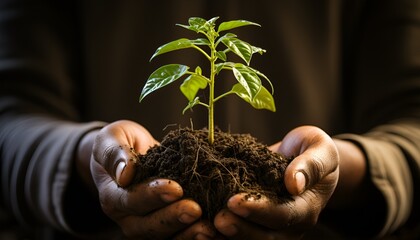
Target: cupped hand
(149, 210)
(310, 178)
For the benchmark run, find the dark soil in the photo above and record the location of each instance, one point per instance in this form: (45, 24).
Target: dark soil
(210, 174)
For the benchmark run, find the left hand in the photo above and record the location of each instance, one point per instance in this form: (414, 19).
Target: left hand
(310, 178)
(152, 209)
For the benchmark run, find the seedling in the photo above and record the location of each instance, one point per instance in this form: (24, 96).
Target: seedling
(215, 48)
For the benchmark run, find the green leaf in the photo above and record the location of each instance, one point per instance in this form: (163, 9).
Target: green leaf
(231, 64)
(235, 24)
(186, 27)
(192, 84)
(162, 77)
(196, 24)
(240, 48)
(263, 100)
(248, 79)
(191, 104)
(221, 55)
(212, 22)
(219, 67)
(258, 50)
(198, 70)
(227, 35)
(174, 45)
(201, 41)
(261, 75)
(226, 65)
(255, 71)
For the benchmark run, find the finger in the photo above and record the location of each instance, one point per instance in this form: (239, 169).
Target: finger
(129, 133)
(201, 230)
(117, 146)
(315, 154)
(235, 227)
(144, 210)
(298, 213)
(164, 222)
(117, 158)
(125, 171)
(300, 139)
(311, 168)
(144, 198)
(262, 210)
(109, 192)
(141, 199)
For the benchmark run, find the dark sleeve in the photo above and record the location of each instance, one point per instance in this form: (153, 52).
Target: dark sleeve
(386, 109)
(393, 153)
(36, 167)
(39, 119)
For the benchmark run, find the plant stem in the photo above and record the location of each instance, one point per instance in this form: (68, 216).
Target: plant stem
(211, 94)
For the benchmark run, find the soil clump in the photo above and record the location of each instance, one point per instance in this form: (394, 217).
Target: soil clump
(211, 174)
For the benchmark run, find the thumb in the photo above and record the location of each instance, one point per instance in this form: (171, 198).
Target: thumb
(118, 161)
(316, 158)
(125, 168)
(296, 178)
(296, 182)
(117, 146)
(307, 170)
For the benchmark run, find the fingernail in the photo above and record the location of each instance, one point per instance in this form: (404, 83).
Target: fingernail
(119, 170)
(187, 218)
(238, 205)
(168, 196)
(300, 179)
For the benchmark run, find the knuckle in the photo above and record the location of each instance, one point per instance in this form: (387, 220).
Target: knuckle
(316, 170)
(107, 207)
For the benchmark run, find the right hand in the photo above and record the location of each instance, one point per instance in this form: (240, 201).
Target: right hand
(310, 178)
(149, 210)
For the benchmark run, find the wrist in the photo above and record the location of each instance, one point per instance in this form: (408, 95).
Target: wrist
(352, 177)
(83, 157)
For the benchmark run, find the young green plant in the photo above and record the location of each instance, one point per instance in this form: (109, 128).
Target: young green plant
(215, 48)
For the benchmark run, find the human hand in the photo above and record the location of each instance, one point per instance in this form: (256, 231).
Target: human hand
(150, 210)
(310, 178)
